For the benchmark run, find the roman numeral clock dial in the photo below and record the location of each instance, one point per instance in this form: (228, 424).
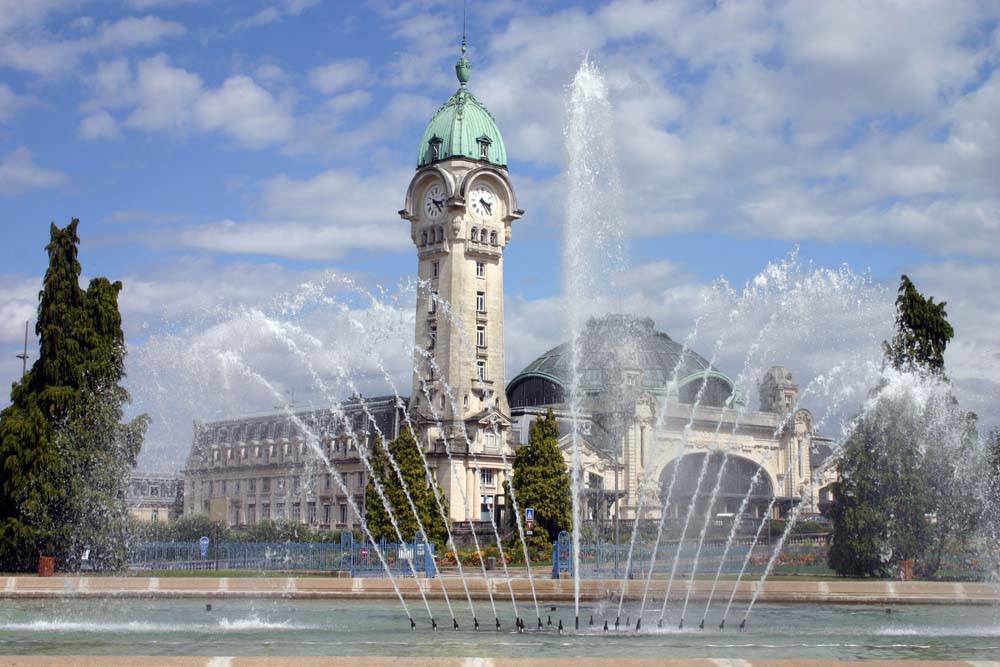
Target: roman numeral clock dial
(483, 201)
(434, 202)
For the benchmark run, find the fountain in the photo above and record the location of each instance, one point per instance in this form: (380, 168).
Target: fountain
(659, 407)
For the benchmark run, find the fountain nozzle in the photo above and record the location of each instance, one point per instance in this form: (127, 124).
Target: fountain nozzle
(722, 625)
(497, 619)
(550, 620)
(577, 622)
(476, 621)
(680, 626)
(539, 622)
(743, 625)
(701, 626)
(455, 623)
(638, 624)
(434, 625)
(659, 623)
(560, 626)
(591, 619)
(616, 623)
(605, 625)
(413, 626)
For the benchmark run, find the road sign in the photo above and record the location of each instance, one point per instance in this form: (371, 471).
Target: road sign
(529, 514)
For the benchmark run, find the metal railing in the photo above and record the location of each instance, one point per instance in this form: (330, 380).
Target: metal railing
(347, 557)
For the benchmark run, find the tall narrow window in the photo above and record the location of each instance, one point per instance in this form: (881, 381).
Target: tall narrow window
(440, 234)
(435, 269)
(432, 336)
(423, 238)
(474, 234)
(493, 238)
(432, 305)
(481, 336)
(484, 148)
(481, 369)
(482, 235)
(480, 269)
(480, 302)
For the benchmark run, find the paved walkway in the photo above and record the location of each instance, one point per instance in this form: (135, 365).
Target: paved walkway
(354, 661)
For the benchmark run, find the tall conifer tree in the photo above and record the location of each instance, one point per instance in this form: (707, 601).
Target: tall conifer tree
(64, 453)
(541, 478)
(407, 457)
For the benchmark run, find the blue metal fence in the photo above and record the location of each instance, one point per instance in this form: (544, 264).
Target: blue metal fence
(357, 559)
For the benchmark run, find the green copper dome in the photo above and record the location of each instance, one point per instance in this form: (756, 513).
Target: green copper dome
(462, 127)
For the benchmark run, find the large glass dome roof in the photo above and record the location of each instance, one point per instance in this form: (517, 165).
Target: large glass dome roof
(621, 351)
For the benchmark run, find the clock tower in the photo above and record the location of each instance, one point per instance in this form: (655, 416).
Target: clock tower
(460, 205)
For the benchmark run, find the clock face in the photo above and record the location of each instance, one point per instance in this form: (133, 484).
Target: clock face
(483, 201)
(434, 201)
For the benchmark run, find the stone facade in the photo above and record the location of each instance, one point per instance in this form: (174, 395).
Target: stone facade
(155, 497)
(300, 466)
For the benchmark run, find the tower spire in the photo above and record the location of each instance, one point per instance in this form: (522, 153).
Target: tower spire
(463, 68)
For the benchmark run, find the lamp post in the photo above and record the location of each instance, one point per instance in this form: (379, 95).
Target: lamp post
(24, 355)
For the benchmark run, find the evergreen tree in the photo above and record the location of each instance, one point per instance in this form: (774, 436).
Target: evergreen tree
(65, 454)
(922, 331)
(407, 457)
(541, 478)
(896, 467)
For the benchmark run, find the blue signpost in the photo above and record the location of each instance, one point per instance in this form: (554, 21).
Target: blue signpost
(203, 545)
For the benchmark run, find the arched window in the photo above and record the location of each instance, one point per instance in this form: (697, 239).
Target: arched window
(423, 237)
(440, 237)
(482, 236)
(474, 235)
(493, 238)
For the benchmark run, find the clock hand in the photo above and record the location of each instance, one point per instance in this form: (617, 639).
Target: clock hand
(438, 203)
(488, 207)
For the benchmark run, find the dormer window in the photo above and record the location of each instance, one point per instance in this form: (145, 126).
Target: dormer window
(435, 148)
(484, 147)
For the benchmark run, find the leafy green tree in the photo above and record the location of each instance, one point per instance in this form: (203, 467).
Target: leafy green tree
(894, 469)
(879, 503)
(422, 490)
(541, 478)
(922, 331)
(64, 451)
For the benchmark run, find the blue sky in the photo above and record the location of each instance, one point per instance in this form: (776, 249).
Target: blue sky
(225, 152)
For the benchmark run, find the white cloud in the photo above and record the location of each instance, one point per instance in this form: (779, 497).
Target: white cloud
(41, 55)
(19, 173)
(972, 359)
(245, 111)
(11, 103)
(99, 125)
(339, 74)
(275, 13)
(165, 95)
(161, 97)
(18, 305)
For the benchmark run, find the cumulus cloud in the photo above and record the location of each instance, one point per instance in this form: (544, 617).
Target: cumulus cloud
(275, 13)
(34, 52)
(325, 217)
(99, 125)
(19, 173)
(159, 96)
(339, 74)
(11, 103)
